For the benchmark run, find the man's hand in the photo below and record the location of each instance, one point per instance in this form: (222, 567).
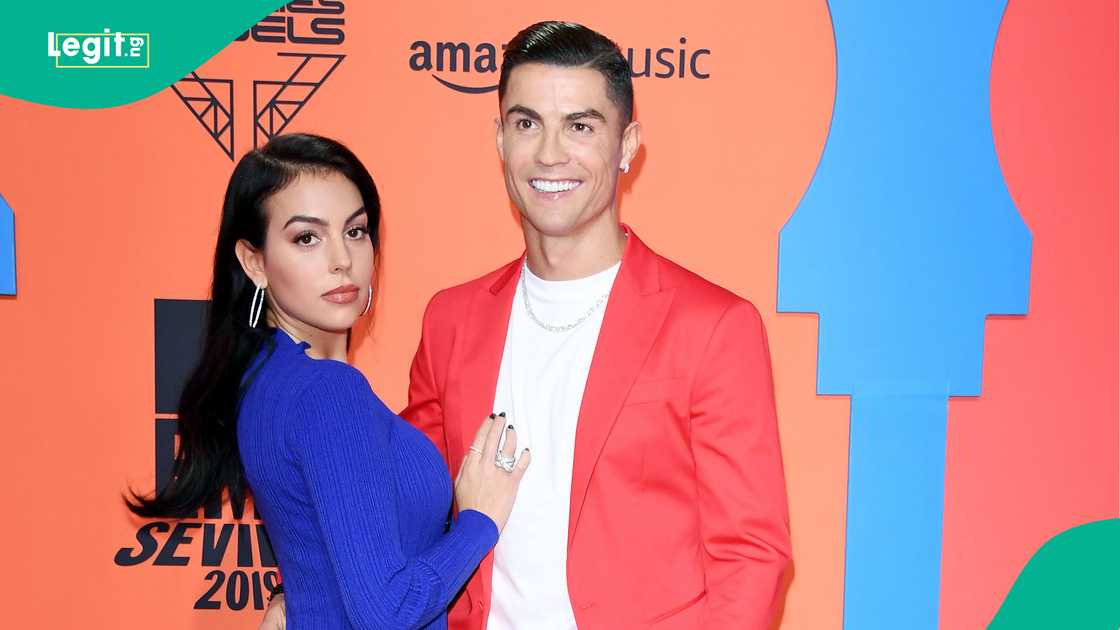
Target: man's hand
(274, 617)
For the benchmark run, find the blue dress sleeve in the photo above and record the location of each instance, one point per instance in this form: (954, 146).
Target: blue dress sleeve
(341, 435)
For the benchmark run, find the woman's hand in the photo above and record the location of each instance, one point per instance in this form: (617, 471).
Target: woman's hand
(275, 617)
(482, 484)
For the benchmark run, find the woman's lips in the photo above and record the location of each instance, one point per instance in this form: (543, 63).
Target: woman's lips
(342, 295)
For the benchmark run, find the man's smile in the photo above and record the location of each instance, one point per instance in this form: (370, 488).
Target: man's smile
(554, 185)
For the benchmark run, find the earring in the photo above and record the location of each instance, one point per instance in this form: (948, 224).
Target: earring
(369, 300)
(256, 307)
(625, 168)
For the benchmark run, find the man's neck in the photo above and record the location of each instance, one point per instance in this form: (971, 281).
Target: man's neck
(577, 255)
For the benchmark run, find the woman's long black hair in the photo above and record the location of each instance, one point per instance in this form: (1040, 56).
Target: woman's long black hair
(207, 461)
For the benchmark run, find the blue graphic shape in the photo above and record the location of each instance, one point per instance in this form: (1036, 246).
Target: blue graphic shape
(7, 249)
(905, 241)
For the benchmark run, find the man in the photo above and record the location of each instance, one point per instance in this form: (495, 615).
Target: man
(656, 497)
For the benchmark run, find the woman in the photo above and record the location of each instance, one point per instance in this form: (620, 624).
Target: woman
(355, 499)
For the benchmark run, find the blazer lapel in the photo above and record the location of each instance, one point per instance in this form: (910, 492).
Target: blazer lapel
(635, 312)
(474, 375)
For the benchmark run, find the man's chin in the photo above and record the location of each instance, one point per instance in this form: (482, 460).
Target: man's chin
(551, 224)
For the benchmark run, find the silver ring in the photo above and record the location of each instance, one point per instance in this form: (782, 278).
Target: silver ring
(475, 449)
(505, 463)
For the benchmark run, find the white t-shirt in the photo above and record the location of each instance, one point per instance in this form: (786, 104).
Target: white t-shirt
(540, 387)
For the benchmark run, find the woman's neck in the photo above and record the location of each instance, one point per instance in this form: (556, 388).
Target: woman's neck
(324, 344)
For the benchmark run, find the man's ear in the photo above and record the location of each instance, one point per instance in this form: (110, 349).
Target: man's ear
(252, 262)
(631, 140)
(498, 137)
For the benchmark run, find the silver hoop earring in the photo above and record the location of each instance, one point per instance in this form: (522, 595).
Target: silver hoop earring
(369, 300)
(625, 168)
(256, 307)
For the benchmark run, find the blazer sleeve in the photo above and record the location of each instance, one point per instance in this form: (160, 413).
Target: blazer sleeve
(744, 517)
(342, 437)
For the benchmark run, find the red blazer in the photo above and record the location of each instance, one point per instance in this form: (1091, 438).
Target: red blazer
(678, 515)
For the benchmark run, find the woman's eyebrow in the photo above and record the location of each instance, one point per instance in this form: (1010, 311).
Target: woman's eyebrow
(303, 218)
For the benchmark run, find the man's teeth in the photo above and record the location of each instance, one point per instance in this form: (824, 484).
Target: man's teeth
(552, 186)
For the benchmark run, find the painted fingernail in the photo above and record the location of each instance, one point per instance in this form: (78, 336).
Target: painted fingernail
(509, 428)
(503, 414)
(492, 416)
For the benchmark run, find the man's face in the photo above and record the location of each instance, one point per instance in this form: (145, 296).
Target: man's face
(562, 142)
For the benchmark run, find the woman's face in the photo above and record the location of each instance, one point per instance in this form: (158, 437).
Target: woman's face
(317, 259)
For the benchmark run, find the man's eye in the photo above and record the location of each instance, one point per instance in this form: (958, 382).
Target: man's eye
(581, 127)
(524, 123)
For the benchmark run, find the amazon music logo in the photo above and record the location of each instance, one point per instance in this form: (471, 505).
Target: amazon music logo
(473, 68)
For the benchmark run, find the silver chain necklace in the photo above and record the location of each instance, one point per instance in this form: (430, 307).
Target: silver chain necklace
(549, 327)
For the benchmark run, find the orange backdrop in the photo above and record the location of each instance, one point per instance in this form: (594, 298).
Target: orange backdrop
(117, 208)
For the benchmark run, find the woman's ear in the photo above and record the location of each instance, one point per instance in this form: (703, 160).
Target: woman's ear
(252, 262)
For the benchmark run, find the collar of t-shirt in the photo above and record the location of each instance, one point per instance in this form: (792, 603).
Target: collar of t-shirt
(564, 295)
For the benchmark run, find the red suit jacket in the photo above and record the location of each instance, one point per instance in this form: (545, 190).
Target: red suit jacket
(678, 515)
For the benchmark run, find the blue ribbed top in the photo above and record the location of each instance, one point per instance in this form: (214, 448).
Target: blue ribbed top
(355, 500)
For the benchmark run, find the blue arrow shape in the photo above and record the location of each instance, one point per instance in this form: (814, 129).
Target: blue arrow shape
(7, 249)
(905, 241)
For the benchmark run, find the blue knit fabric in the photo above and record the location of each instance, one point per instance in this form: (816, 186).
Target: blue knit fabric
(355, 499)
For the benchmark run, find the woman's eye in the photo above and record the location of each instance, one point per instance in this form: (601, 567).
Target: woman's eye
(357, 232)
(306, 239)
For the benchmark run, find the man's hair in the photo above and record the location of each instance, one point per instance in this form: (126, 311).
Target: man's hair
(571, 45)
